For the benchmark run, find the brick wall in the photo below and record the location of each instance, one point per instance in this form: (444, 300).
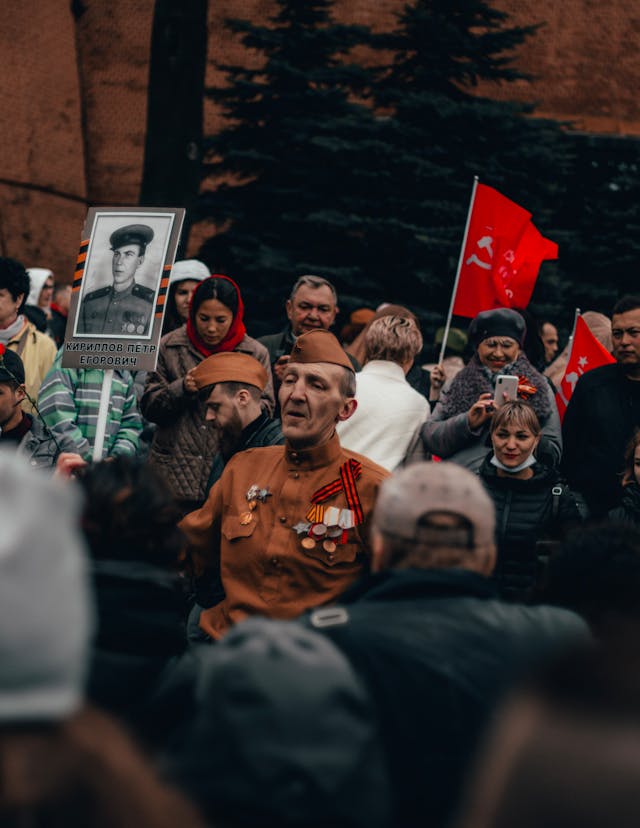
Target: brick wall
(73, 91)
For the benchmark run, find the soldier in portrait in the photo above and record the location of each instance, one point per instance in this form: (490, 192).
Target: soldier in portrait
(124, 308)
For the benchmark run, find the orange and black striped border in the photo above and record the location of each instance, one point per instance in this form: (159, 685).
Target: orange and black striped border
(80, 262)
(162, 293)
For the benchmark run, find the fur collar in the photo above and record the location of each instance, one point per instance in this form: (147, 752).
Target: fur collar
(474, 380)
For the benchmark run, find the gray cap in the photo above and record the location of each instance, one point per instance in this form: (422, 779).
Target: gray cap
(284, 733)
(46, 613)
(410, 495)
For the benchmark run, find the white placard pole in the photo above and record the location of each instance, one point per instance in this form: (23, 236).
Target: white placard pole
(103, 410)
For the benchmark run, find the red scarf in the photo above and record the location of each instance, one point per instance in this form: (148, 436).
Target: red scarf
(234, 335)
(59, 310)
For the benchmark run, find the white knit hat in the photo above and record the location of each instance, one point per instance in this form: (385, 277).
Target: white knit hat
(46, 610)
(188, 269)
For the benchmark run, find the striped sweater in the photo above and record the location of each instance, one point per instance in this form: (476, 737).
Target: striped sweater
(69, 401)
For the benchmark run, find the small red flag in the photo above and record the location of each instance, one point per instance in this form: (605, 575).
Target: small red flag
(586, 354)
(502, 255)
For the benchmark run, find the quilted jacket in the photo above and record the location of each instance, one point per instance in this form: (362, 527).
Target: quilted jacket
(184, 445)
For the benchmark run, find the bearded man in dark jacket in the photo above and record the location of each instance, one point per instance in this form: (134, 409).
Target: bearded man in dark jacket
(430, 637)
(233, 384)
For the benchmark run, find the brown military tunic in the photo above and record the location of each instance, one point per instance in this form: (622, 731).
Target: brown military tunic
(264, 567)
(125, 313)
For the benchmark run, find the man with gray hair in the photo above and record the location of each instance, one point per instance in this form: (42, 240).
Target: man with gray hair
(312, 305)
(429, 635)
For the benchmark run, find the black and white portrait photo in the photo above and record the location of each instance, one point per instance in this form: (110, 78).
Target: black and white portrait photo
(122, 274)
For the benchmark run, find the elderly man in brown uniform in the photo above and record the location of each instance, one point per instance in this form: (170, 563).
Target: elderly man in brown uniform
(288, 526)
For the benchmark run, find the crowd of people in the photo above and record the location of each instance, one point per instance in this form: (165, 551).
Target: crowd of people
(315, 580)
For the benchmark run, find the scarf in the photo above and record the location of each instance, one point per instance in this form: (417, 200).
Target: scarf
(475, 379)
(234, 335)
(7, 334)
(59, 310)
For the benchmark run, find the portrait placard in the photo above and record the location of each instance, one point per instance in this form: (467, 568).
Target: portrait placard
(120, 287)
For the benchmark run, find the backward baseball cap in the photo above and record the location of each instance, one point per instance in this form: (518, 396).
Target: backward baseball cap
(409, 496)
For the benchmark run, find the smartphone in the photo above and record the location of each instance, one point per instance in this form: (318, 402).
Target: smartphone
(505, 384)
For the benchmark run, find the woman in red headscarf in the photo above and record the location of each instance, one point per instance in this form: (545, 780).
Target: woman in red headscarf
(184, 445)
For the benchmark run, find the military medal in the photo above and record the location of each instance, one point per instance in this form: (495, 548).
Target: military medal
(256, 492)
(329, 525)
(318, 530)
(254, 495)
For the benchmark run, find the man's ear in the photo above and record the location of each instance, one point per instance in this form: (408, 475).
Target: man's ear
(21, 394)
(288, 308)
(243, 397)
(348, 408)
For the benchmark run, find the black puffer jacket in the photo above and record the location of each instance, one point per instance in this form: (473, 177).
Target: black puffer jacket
(629, 512)
(527, 511)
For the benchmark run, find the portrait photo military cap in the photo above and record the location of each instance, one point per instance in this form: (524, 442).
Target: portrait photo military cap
(319, 346)
(11, 367)
(230, 367)
(131, 234)
(411, 495)
(498, 322)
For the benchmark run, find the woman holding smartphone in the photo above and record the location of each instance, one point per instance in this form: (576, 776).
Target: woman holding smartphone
(458, 428)
(533, 506)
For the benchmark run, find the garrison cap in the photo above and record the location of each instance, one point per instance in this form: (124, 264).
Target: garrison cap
(230, 366)
(131, 234)
(319, 346)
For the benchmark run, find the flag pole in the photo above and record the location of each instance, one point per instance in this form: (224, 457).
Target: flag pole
(573, 333)
(559, 392)
(460, 261)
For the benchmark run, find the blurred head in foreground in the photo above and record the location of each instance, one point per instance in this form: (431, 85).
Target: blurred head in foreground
(566, 752)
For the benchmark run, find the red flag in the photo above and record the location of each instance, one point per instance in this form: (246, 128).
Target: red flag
(586, 353)
(502, 255)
